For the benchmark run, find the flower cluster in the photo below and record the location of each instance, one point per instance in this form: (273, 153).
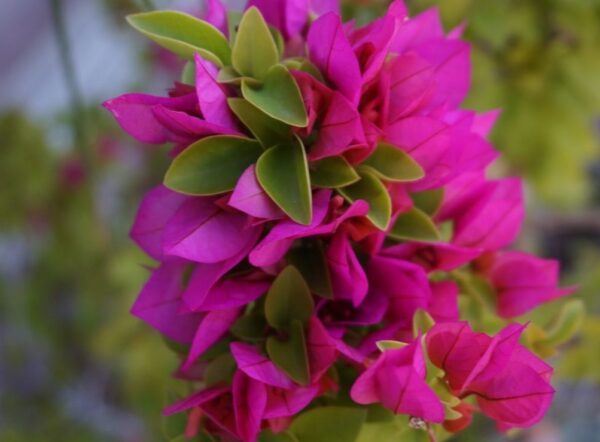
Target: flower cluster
(326, 227)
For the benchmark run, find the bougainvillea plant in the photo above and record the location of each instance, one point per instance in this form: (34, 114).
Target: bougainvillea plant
(331, 255)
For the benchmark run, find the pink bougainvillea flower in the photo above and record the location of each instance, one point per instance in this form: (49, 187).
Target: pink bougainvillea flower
(216, 14)
(434, 256)
(213, 326)
(321, 349)
(258, 366)
(157, 208)
(203, 232)
(291, 16)
(157, 120)
(405, 285)
(397, 381)
(250, 198)
(249, 402)
(340, 126)
(494, 219)
(216, 403)
(332, 53)
(510, 383)
(279, 240)
(395, 81)
(159, 303)
(523, 282)
(444, 301)
(348, 279)
(212, 97)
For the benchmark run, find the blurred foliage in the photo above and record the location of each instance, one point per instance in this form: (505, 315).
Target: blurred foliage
(75, 366)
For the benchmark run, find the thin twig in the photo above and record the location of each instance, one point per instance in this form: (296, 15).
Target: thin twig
(68, 67)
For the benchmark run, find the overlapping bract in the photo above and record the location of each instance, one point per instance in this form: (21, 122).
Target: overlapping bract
(326, 192)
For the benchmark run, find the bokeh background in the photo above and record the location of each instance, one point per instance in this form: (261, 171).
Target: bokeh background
(74, 366)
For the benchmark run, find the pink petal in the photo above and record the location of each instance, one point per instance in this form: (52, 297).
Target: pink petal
(495, 219)
(211, 329)
(519, 397)
(195, 400)
(249, 401)
(200, 231)
(216, 14)
(321, 349)
(249, 197)
(444, 301)
(232, 293)
(524, 281)
(159, 302)
(434, 256)
(340, 130)
(284, 403)
(331, 52)
(212, 97)
(157, 207)
(134, 114)
(405, 284)
(348, 278)
(259, 367)
(184, 127)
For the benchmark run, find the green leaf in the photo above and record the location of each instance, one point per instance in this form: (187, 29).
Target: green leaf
(229, 75)
(414, 225)
(266, 129)
(183, 34)
(390, 345)
(220, 369)
(291, 355)
(212, 165)
(249, 328)
(268, 436)
(311, 69)
(329, 424)
(372, 190)
(310, 260)
(254, 50)
(288, 299)
(392, 164)
(566, 324)
(332, 172)
(282, 171)
(422, 322)
(188, 74)
(278, 96)
(429, 201)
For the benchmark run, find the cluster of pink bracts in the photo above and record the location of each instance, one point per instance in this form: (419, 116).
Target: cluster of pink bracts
(397, 80)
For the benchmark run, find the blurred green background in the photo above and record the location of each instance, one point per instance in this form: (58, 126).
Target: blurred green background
(74, 366)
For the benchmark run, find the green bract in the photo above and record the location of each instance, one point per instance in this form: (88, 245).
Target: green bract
(289, 353)
(371, 189)
(212, 165)
(278, 96)
(254, 50)
(282, 171)
(183, 34)
(267, 130)
(390, 163)
(288, 299)
(310, 260)
(329, 424)
(332, 172)
(414, 225)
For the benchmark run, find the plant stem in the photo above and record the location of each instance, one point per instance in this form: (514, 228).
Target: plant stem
(77, 107)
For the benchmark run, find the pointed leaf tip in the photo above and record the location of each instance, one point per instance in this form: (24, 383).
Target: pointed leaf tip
(183, 34)
(282, 171)
(212, 165)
